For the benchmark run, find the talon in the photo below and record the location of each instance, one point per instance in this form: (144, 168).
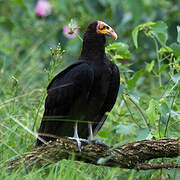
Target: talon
(99, 143)
(78, 142)
(76, 137)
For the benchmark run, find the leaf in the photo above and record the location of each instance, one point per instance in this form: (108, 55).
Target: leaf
(150, 66)
(103, 134)
(135, 36)
(176, 49)
(164, 66)
(117, 57)
(165, 49)
(125, 70)
(124, 129)
(177, 101)
(142, 133)
(159, 29)
(176, 78)
(174, 113)
(150, 136)
(133, 80)
(121, 89)
(178, 36)
(121, 49)
(103, 160)
(164, 112)
(151, 111)
(134, 97)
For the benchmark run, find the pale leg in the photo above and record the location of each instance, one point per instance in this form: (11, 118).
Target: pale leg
(76, 137)
(91, 137)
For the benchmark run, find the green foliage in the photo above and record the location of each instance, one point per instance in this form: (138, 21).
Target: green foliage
(156, 30)
(132, 81)
(148, 105)
(151, 111)
(120, 50)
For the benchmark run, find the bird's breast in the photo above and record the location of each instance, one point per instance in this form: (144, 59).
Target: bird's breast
(100, 88)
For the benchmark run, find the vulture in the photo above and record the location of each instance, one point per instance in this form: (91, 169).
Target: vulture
(80, 95)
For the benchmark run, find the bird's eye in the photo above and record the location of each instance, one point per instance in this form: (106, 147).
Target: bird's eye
(102, 27)
(107, 27)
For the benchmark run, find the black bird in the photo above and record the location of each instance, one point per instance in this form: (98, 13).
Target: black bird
(79, 96)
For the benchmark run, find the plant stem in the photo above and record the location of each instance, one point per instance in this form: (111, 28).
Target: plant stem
(158, 60)
(38, 110)
(159, 126)
(171, 65)
(129, 110)
(141, 112)
(79, 37)
(169, 116)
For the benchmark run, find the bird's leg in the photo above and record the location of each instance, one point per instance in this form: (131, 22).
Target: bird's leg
(91, 137)
(76, 137)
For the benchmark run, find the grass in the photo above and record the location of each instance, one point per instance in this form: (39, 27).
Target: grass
(22, 103)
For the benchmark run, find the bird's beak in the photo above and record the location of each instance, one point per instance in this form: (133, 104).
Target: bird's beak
(103, 28)
(112, 34)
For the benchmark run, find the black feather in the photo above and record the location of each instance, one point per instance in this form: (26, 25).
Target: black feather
(84, 91)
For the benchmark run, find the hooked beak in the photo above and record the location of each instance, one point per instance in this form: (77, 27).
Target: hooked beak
(112, 34)
(103, 28)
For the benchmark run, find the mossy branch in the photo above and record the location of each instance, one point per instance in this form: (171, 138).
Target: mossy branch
(131, 156)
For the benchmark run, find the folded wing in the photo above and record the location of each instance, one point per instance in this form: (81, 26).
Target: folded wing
(67, 96)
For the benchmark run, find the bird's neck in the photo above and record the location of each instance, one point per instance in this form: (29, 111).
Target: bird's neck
(93, 47)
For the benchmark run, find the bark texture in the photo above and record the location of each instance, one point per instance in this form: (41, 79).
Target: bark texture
(131, 156)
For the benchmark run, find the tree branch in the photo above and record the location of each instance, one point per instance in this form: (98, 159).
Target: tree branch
(147, 166)
(130, 156)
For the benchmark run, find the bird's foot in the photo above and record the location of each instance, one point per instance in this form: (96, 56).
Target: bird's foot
(84, 140)
(78, 142)
(98, 143)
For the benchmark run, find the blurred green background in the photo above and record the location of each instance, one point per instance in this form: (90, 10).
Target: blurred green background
(25, 39)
